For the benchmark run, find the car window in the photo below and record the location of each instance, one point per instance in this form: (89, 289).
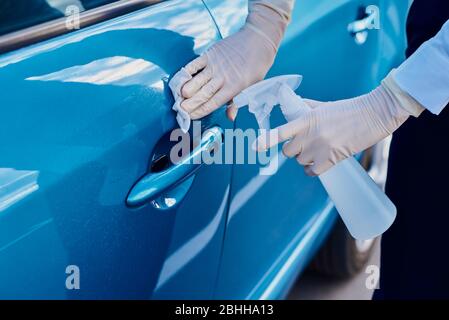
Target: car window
(19, 14)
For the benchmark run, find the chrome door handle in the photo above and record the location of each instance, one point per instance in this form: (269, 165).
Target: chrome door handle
(155, 183)
(359, 28)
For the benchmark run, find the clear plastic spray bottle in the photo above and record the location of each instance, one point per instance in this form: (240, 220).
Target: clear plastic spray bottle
(364, 208)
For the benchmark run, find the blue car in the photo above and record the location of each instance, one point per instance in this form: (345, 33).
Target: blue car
(85, 119)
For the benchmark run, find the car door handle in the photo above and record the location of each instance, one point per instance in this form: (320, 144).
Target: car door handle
(359, 28)
(154, 183)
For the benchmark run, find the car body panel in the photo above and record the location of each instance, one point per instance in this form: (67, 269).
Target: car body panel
(81, 116)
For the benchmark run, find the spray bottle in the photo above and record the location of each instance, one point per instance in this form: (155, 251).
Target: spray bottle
(364, 208)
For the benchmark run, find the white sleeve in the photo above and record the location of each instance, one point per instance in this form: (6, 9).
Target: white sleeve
(425, 74)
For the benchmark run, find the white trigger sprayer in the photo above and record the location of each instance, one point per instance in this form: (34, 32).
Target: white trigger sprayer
(364, 208)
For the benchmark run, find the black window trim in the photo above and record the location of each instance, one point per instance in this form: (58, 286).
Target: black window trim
(40, 32)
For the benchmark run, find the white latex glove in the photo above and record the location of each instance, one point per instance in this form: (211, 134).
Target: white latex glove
(238, 61)
(334, 131)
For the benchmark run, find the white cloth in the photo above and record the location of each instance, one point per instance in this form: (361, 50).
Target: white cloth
(425, 74)
(175, 84)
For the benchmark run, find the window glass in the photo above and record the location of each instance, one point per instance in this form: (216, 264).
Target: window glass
(18, 14)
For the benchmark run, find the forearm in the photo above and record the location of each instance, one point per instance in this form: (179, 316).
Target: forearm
(283, 8)
(270, 18)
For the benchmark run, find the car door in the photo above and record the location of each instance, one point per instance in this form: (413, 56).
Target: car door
(277, 222)
(83, 118)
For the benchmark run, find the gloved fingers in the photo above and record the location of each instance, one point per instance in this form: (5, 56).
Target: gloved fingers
(318, 168)
(293, 147)
(195, 84)
(265, 140)
(304, 159)
(308, 170)
(217, 100)
(196, 65)
(232, 111)
(283, 133)
(202, 96)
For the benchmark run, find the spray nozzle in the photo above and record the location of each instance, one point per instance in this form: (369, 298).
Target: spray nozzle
(263, 96)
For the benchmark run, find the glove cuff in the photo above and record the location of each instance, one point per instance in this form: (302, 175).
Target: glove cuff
(404, 100)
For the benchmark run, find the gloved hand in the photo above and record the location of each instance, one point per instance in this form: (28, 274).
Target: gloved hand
(238, 61)
(334, 131)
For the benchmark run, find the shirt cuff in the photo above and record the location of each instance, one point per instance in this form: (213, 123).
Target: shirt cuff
(424, 76)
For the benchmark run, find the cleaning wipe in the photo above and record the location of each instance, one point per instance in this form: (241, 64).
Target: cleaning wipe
(175, 84)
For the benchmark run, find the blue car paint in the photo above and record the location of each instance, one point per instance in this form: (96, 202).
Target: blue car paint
(78, 130)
